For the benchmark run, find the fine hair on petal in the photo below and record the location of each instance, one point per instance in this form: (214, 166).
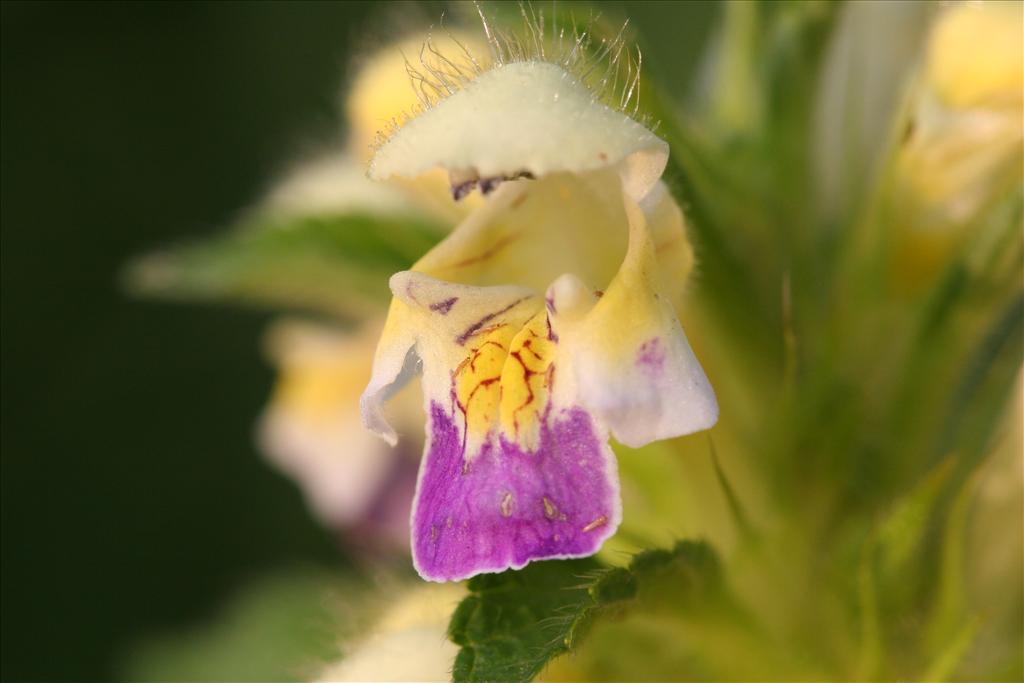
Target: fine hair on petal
(600, 58)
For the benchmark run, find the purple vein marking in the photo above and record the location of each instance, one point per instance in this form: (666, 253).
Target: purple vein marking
(475, 327)
(443, 307)
(551, 333)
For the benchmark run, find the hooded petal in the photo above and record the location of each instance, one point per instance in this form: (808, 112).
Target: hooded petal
(501, 124)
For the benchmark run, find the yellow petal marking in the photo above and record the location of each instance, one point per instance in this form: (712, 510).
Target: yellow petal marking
(478, 377)
(526, 382)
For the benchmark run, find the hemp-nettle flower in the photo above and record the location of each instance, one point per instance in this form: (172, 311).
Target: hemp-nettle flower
(547, 318)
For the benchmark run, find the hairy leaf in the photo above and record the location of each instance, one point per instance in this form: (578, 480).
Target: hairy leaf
(516, 622)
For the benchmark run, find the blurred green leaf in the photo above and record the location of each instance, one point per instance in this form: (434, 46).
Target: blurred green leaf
(950, 655)
(741, 167)
(335, 264)
(950, 612)
(515, 622)
(902, 532)
(282, 628)
(893, 566)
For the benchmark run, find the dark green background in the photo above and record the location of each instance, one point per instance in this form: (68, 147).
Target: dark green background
(133, 500)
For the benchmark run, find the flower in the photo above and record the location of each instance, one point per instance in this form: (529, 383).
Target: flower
(311, 432)
(964, 144)
(545, 320)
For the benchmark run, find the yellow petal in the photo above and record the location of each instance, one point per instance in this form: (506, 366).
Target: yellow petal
(976, 55)
(531, 232)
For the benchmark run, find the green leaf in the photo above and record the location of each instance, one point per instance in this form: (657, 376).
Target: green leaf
(516, 622)
(336, 264)
(513, 623)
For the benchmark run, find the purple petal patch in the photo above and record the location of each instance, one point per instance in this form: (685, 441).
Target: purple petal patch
(507, 507)
(651, 355)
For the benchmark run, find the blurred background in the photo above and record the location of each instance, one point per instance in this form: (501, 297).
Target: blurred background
(133, 499)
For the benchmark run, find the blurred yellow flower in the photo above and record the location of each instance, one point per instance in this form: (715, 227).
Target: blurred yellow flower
(310, 429)
(964, 146)
(976, 55)
(381, 98)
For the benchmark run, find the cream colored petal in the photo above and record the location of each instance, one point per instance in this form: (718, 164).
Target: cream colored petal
(632, 365)
(670, 241)
(524, 117)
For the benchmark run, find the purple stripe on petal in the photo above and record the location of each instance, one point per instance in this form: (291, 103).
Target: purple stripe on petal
(509, 507)
(473, 329)
(443, 307)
